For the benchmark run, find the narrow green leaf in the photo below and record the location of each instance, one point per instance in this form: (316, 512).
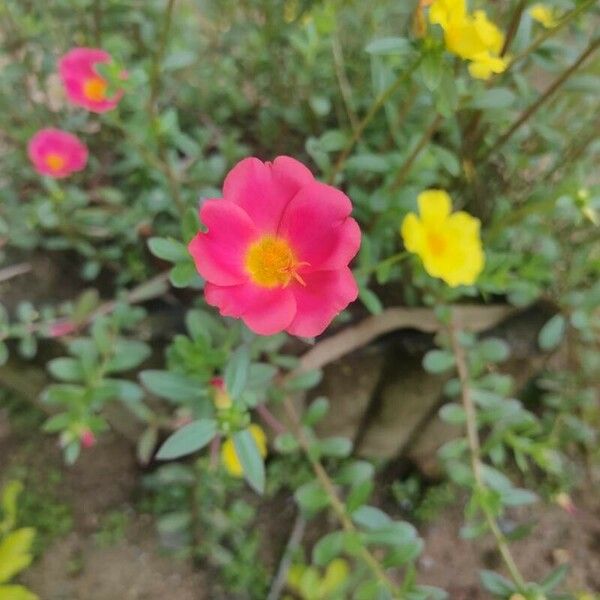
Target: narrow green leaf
(250, 459)
(438, 361)
(236, 371)
(496, 584)
(190, 438)
(552, 333)
(168, 249)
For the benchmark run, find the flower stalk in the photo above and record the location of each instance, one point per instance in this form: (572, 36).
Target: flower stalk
(475, 452)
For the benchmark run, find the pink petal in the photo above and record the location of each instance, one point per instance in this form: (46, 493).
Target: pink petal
(317, 225)
(219, 253)
(80, 62)
(325, 295)
(263, 190)
(264, 311)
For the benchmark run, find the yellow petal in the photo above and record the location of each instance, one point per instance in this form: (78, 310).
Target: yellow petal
(434, 206)
(442, 12)
(491, 37)
(229, 456)
(466, 37)
(412, 233)
(484, 65)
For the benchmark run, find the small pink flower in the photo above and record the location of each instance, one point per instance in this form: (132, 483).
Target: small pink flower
(277, 248)
(60, 328)
(87, 438)
(57, 153)
(83, 85)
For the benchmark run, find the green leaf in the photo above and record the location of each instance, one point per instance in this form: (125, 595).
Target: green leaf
(518, 497)
(172, 386)
(127, 354)
(16, 592)
(15, 552)
(438, 361)
(250, 459)
(389, 45)
(431, 69)
(182, 274)
(554, 578)
(236, 371)
(190, 438)
(66, 369)
(311, 497)
(3, 353)
(8, 504)
(370, 300)
(304, 381)
(328, 547)
(168, 249)
(496, 584)
(453, 413)
(493, 350)
(316, 411)
(552, 333)
(499, 97)
(338, 447)
(370, 517)
(370, 163)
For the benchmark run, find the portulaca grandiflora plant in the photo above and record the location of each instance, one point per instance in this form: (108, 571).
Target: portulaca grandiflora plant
(276, 170)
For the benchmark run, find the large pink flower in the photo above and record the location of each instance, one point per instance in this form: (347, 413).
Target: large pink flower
(57, 153)
(83, 85)
(277, 248)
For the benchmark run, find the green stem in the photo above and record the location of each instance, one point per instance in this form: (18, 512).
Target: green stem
(389, 261)
(475, 450)
(375, 108)
(405, 168)
(533, 108)
(339, 508)
(342, 77)
(157, 59)
(513, 26)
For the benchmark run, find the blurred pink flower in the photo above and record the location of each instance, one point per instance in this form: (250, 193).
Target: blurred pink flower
(277, 248)
(87, 438)
(57, 153)
(83, 85)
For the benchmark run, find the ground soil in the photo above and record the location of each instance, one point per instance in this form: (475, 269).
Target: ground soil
(133, 567)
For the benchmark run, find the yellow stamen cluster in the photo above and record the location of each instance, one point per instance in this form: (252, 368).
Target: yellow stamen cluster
(54, 161)
(270, 262)
(94, 89)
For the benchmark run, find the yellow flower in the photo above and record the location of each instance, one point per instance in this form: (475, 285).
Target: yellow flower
(485, 64)
(448, 244)
(471, 37)
(544, 15)
(229, 456)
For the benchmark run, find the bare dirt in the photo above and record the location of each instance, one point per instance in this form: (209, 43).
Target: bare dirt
(133, 567)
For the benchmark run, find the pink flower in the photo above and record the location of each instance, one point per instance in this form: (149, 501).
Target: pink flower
(277, 248)
(60, 328)
(57, 153)
(83, 85)
(87, 438)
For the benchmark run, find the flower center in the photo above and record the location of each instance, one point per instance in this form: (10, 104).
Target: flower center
(437, 243)
(270, 262)
(94, 89)
(54, 161)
